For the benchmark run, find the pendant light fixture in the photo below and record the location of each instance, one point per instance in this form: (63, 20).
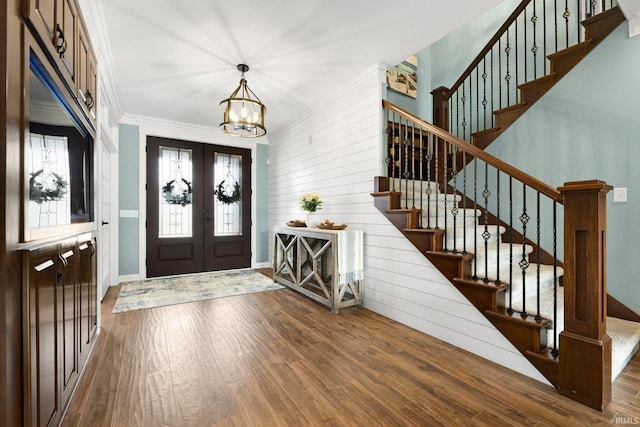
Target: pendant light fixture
(243, 112)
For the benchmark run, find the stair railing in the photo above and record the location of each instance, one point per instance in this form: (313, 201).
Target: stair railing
(516, 54)
(480, 201)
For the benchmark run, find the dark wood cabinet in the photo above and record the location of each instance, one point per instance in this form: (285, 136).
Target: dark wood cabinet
(87, 290)
(56, 24)
(61, 320)
(87, 75)
(62, 33)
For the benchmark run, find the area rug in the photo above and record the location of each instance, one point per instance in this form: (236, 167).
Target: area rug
(171, 290)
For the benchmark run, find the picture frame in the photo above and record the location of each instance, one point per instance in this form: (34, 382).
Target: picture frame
(403, 78)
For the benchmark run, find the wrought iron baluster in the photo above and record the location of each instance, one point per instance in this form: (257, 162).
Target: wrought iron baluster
(454, 208)
(554, 350)
(477, 121)
(464, 202)
(517, 48)
(578, 26)
(390, 159)
(437, 143)
(457, 132)
(544, 37)
(421, 176)
(499, 75)
(413, 165)
(484, 91)
(524, 261)
(510, 309)
(398, 155)
(566, 16)
(498, 236)
(538, 316)
(405, 172)
(475, 224)
(534, 47)
(429, 159)
(464, 112)
(492, 90)
(445, 189)
(486, 235)
(555, 24)
(507, 77)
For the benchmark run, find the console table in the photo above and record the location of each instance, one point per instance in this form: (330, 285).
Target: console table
(324, 265)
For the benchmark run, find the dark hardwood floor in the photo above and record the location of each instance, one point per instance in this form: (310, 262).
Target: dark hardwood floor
(276, 358)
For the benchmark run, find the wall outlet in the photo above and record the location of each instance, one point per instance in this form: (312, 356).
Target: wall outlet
(620, 194)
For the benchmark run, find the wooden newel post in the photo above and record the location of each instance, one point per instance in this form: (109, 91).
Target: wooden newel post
(441, 107)
(585, 347)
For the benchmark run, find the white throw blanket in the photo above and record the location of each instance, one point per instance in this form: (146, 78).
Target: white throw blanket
(350, 258)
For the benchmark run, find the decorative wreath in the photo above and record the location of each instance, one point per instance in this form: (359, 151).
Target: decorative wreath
(39, 194)
(182, 198)
(224, 197)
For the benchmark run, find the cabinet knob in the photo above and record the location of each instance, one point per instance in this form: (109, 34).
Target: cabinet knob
(105, 223)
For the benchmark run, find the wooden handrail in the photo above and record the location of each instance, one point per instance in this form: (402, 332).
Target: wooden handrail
(502, 166)
(488, 47)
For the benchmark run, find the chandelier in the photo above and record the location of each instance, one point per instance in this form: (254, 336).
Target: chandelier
(243, 112)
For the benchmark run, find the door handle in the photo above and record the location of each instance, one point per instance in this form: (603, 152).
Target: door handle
(105, 223)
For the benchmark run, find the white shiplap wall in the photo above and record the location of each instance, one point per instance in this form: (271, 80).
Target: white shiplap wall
(335, 151)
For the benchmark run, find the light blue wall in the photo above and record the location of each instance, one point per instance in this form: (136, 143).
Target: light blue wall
(129, 196)
(584, 128)
(452, 54)
(262, 202)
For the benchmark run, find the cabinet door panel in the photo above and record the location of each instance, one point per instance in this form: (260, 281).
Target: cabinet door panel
(67, 318)
(43, 328)
(69, 25)
(87, 75)
(87, 296)
(42, 14)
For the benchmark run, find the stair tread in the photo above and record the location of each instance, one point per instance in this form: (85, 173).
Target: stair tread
(424, 230)
(487, 131)
(625, 336)
(498, 287)
(512, 107)
(529, 321)
(402, 210)
(450, 254)
(383, 193)
(547, 77)
(569, 50)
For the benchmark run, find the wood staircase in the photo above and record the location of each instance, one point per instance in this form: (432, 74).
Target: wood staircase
(562, 343)
(527, 332)
(596, 28)
(559, 343)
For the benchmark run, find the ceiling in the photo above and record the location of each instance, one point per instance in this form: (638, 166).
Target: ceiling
(176, 60)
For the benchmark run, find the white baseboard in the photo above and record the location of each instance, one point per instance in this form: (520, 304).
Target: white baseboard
(263, 265)
(129, 278)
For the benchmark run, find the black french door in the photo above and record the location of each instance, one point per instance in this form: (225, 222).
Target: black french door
(198, 207)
